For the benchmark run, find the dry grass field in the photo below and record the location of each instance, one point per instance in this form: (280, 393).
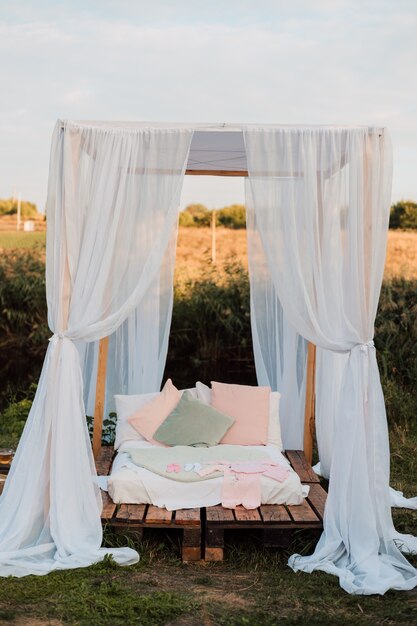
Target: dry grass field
(194, 252)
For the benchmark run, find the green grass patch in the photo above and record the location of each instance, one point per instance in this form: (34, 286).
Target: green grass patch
(20, 239)
(258, 591)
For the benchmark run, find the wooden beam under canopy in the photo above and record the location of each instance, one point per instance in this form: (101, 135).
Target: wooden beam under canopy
(242, 173)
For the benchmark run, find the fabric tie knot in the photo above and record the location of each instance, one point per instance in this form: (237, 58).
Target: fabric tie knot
(57, 336)
(364, 347)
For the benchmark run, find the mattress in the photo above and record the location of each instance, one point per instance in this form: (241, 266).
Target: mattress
(131, 484)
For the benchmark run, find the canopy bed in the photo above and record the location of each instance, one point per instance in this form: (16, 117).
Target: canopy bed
(317, 203)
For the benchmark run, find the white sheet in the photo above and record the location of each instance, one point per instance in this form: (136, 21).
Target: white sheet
(131, 484)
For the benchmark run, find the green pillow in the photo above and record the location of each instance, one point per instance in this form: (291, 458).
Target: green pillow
(193, 423)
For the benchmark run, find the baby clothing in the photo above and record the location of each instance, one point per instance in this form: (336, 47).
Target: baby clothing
(244, 489)
(242, 481)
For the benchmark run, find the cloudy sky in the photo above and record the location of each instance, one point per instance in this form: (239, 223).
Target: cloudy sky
(272, 61)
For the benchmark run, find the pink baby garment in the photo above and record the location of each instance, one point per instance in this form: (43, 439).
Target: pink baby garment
(242, 489)
(237, 488)
(242, 481)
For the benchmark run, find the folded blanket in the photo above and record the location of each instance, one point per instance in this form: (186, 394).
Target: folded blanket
(164, 461)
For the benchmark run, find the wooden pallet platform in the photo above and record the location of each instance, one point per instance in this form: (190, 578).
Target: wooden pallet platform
(203, 530)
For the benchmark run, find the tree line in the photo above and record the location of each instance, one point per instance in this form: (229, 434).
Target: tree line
(403, 215)
(8, 206)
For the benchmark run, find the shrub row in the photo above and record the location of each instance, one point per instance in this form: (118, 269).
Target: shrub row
(233, 216)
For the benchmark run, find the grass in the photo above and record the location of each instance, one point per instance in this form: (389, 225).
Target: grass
(253, 587)
(10, 240)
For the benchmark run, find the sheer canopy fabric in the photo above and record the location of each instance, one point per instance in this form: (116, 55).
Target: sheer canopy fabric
(112, 211)
(138, 348)
(280, 352)
(319, 199)
(329, 377)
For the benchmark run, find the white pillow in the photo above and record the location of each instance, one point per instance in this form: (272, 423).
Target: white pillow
(274, 429)
(125, 407)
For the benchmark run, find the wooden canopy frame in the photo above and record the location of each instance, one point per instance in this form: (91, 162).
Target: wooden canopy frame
(309, 411)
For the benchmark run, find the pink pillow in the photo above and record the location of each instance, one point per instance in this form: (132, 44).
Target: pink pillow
(150, 416)
(249, 406)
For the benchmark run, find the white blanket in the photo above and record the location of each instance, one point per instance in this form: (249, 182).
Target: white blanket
(131, 484)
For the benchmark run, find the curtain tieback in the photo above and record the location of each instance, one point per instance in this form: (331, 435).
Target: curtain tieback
(58, 336)
(364, 348)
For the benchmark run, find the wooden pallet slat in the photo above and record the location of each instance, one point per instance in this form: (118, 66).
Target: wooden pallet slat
(317, 498)
(303, 513)
(131, 512)
(157, 515)
(219, 515)
(301, 466)
(109, 506)
(188, 517)
(249, 516)
(274, 513)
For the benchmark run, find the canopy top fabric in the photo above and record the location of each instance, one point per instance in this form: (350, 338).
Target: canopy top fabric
(215, 147)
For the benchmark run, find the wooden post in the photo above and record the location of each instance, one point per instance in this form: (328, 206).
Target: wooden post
(309, 413)
(18, 212)
(213, 235)
(103, 350)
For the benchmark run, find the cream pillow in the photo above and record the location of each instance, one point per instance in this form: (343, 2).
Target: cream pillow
(126, 406)
(274, 429)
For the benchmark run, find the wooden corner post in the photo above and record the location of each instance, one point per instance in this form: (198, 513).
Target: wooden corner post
(103, 350)
(309, 413)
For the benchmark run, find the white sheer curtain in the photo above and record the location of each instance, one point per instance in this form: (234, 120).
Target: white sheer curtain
(321, 204)
(329, 377)
(138, 348)
(280, 352)
(112, 210)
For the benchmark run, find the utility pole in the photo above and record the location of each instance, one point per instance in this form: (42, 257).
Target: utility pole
(213, 235)
(18, 211)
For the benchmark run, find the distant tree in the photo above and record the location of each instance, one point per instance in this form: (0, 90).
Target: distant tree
(195, 215)
(403, 215)
(233, 216)
(9, 207)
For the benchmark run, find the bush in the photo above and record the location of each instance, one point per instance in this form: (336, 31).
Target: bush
(396, 332)
(210, 332)
(403, 215)
(13, 419)
(23, 321)
(233, 216)
(9, 207)
(195, 215)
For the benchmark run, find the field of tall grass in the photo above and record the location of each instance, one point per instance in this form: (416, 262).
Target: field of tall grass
(195, 245)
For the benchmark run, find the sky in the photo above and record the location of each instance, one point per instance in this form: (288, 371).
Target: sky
(257, 61)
